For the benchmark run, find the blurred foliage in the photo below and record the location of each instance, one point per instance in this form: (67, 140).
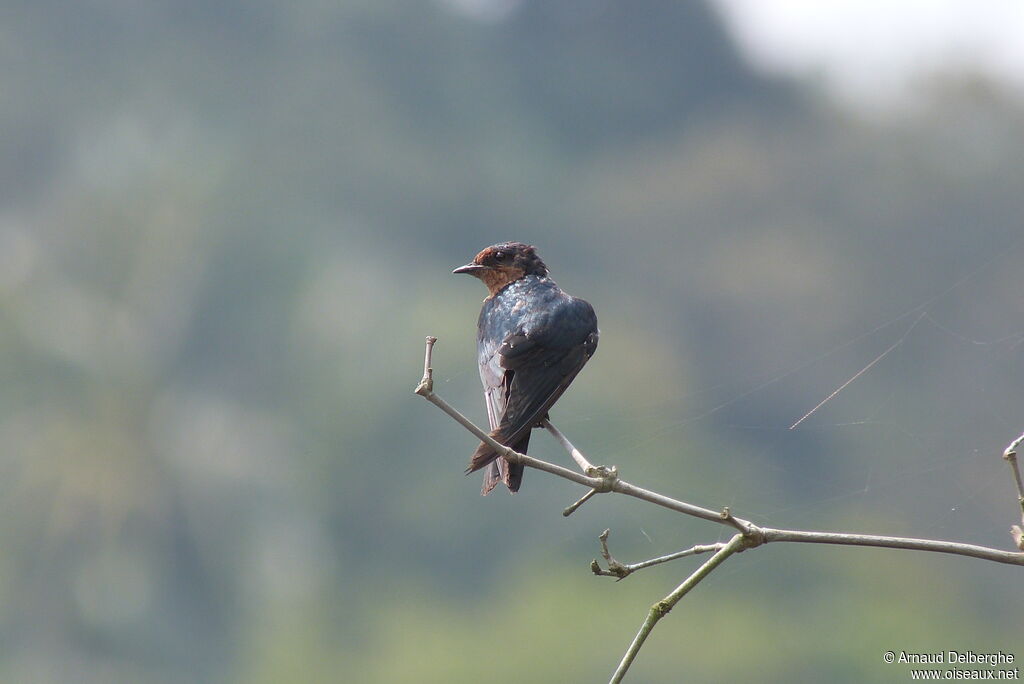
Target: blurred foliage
(226, 228)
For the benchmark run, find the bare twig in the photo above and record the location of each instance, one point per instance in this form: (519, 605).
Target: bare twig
(621, 571)
(1016, 531)
(692, 551)
(1012, 449)
(1011, 456)
(603, 479)
(615, 568)
(883, 542)
(571, 508)
(427, 383)
(662, 607)
(742, 526)
(623, 487)
(586, 466)
(576, 454)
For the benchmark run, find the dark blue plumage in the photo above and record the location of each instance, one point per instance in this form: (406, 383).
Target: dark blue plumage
(532, 340)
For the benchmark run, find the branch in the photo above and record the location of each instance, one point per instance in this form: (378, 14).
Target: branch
(600, 479)
(576, 454)
(1010, 455)
(571, 508)
(609, 474)
(662, 607)
(908, 543)
(427, 382)
(620, 571)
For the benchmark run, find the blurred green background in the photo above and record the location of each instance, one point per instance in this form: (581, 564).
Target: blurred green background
(226, 228)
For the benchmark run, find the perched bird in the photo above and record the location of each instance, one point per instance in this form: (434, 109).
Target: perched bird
(532, 340)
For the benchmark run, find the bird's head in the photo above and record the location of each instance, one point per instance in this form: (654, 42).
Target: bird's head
(501, 264)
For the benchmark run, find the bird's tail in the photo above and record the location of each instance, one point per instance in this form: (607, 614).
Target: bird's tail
(498, 469)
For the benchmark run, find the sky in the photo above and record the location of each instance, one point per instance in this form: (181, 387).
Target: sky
(878, 52)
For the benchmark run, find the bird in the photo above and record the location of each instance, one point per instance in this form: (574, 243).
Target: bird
(532, 340)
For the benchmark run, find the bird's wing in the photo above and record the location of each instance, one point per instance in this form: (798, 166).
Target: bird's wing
(495, 383)
(542, 362)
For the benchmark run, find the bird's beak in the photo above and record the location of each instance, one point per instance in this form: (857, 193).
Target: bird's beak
(470, 268)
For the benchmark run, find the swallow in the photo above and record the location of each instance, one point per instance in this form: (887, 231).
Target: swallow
(532, 340)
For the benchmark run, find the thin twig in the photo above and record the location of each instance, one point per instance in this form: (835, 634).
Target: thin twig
(427, 383)
(884, 542)
(1012, 449)
(586, 466)
(692, 551)
(571, 508)
(1011, 456)
(576, 454)
(623, 487)
(621, 571)
(615, 568)
(1016, 531)
(662, 607)
(742, 526)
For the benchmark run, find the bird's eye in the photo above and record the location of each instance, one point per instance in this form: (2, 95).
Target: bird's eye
(500, 256)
